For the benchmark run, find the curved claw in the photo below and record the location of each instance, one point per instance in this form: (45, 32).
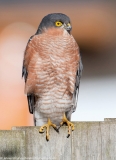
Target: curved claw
(41, 130)
(68, 135)
(69, 124)
(47, 138)
(47, 126)
(56, 129)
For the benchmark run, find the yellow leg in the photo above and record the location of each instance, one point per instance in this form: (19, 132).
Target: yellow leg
(69, 124)
(47, 126)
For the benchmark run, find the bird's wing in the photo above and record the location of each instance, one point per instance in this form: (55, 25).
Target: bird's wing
(30, 97)
(77, 84)
(24, 70)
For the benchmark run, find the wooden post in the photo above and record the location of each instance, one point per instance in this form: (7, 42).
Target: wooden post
(12, 144)
(57, 148)
(89, 141)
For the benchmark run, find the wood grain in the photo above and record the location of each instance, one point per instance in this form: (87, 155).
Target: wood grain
(89, 141)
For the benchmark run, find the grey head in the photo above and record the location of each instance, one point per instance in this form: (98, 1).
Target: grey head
(57, 20)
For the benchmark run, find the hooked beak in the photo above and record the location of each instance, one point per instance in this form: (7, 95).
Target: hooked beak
(68, 27)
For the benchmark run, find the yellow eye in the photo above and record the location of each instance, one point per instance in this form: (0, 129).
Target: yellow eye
(58, 23)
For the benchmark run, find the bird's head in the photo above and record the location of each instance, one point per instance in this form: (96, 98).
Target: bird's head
(57, 20)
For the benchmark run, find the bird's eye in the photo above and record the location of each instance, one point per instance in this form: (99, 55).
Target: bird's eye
(58, 23)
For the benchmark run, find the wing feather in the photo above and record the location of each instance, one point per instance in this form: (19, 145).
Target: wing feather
(30, 97)
(77, 84)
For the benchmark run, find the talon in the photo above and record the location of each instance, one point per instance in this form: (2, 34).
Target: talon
(68, 135)
(41, 130)
(47, 126)
(56, 129)
(47, 137)
(69, 124)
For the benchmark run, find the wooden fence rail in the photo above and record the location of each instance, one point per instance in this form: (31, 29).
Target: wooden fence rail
(89, 141)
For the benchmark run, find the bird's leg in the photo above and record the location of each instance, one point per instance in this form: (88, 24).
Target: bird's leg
(69, 124)
(47, 126)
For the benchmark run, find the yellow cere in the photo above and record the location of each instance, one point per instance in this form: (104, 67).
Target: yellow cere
(58, 23)
(68, 24)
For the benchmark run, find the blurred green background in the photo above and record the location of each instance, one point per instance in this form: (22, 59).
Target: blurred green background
(94, 28)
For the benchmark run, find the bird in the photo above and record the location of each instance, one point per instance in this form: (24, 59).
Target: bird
(52, 68)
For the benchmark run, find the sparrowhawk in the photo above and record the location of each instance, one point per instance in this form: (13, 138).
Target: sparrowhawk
(52, 69)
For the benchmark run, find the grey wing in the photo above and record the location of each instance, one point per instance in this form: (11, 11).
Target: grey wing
(77, 84)
(76, 91)
(30, 97)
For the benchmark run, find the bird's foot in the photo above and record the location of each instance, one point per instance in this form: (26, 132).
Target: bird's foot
(69, 124)
(47, 126)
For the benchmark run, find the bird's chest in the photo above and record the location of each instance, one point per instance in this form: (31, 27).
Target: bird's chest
(53, 75)
(56, 66)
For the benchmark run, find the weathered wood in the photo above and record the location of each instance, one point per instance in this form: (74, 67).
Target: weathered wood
(89, 141)
(94, 141)
(57, 148)
(12, 144)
